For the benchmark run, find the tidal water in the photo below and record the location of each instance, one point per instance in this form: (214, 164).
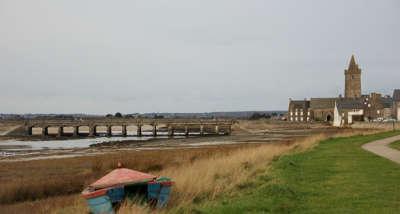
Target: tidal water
(23, 145)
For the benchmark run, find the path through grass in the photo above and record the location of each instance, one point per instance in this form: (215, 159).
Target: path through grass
(337, 176)
(395, 145)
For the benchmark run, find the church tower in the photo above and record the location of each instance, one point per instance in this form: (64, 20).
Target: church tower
(353, 80)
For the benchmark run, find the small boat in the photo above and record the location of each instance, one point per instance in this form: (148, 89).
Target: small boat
(99, 201)
(106, 194)
(158, 192)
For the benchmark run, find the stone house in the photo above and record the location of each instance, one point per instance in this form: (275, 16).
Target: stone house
(322, 108)
(299, 111)
(377, 106)
(347, 111)
(396, 104)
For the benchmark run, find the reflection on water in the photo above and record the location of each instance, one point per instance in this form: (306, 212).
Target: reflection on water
(16, 145)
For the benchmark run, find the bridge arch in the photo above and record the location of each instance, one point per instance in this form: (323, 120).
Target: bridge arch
(126, 126)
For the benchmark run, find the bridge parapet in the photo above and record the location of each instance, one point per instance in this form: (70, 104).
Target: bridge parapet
(171, 124)
(87, 122)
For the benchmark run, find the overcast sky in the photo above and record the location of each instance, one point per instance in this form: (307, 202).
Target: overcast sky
(190, 55)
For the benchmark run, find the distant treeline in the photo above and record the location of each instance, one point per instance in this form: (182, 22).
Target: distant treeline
(206, 115)
(257, 116)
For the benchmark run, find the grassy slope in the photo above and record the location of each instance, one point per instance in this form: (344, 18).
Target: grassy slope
(335, 177)
(395, 145)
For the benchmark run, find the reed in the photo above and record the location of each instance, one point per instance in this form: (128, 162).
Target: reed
(199, 174)
(33, 180)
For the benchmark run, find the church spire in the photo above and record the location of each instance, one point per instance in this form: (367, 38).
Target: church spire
(352, 63)
(352, 80)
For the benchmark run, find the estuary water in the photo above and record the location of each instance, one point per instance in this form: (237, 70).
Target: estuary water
(25, 145)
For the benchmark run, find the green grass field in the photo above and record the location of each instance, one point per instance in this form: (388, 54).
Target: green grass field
(395, 145)
(335, 177)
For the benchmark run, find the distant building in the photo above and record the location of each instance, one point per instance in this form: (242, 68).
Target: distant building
(299, 110)
(348, 110)
(354, 106)
(396, 104)
(352, 80)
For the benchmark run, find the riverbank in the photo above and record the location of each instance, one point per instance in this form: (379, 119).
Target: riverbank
(48, 183)
(243, 132)
(337, 176)
(44, 186)
(32, 182)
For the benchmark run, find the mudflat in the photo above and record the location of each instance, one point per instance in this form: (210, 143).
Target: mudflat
(244, 132)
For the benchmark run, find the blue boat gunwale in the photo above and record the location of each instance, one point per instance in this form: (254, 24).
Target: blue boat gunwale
(161, 197)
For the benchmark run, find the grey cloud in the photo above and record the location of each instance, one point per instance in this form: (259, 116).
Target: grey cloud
(184, 56)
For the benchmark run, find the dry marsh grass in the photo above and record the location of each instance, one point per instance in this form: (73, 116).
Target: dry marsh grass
(207, 178)
(254, 126)
(57, 204)
(32, 180)
(200, 174)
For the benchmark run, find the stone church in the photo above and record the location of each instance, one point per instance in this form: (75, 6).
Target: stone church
(354, 106)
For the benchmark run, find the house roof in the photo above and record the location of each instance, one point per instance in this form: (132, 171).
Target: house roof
(303, 104)
(387, 102)
(396, 95)
(350, 104)
(322, 103)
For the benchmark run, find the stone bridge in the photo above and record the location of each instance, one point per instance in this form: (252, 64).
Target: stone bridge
(142, 127)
